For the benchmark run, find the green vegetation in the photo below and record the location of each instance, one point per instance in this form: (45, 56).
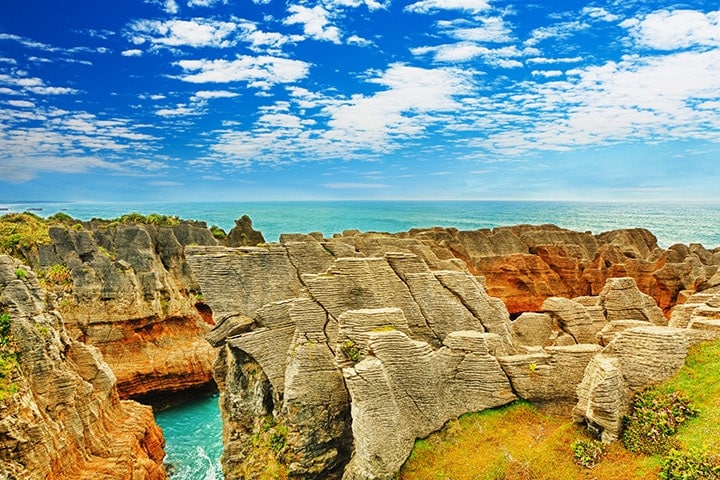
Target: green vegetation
(522, 442)
(587, 452)
(690, 464)
(21, 233)
(151, 219)
(57, 276)
(8, 358)
(350, 350)
(21, 273)
(265, 451)
(218, 232)
(654, 418)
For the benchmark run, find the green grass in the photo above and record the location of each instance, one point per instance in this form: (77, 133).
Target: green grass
(522, 442)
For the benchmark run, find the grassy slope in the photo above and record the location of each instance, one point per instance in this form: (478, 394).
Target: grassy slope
(520, 442)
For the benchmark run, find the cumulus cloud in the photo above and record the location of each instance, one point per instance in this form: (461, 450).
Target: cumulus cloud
(480, 29)
(195, 33)
(547, 73)
(134, 52)
(426, 6)
(20, 103)
(315, 22)
(676, 29)
(206, 94)
(260, 72)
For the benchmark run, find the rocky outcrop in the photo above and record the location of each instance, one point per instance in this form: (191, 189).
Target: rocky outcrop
(350, 348)
(62, 417)
(317, 350)
(126, 289)
(523, 265)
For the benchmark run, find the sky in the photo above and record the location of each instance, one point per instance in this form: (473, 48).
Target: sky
(208, 100)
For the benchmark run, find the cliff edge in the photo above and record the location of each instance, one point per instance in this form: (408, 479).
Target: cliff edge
(61, 417)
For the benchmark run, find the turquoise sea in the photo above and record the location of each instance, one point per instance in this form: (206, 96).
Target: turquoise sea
(193, 430)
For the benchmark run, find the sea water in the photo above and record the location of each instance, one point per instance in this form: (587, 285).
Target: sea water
(193, 430)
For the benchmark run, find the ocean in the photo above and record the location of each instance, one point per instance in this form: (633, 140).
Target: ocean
(193, 430)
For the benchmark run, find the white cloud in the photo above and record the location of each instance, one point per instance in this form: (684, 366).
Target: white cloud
(11, 61)
(184, 33)
(547, 73)
(181, 110)
(359, 41)
(206, 94)
(52, 90)
(370, 4)
(558, 31)
(315, 22)
(33, 85)
(261, 72)
(20, 103)
(600, 14)
(673, 30)
(503, 57)
(551, 61)
(426, 6)
(488, 29)
(169, 6)
(204, 3)
(134, 52)
(646, 99)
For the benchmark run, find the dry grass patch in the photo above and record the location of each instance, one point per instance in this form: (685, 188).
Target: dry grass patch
(516, 442)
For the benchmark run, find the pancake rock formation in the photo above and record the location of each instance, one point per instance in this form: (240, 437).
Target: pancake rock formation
(334, 355)
(126, 289)
(61, 417)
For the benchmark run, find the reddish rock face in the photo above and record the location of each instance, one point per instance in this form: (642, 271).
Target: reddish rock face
(524, 265)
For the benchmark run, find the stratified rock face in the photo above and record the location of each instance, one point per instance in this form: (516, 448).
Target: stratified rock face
(351, 348)
(343, 351)
(66, 420)
(128, 291)
(316, 350)
(524, 265)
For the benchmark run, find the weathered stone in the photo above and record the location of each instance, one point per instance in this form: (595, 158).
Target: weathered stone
(551, 374)
(66, 419)
(533, 329)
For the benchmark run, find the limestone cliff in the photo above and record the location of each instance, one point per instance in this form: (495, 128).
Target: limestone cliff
(125, 288)
(61, 417)
(525, 264)
(342, 351)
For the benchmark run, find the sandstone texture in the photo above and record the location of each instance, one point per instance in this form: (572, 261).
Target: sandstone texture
(126, 289)
(525, 264)
(62, 416)
(342, 351)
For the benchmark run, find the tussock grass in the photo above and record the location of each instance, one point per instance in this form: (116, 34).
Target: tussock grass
(522, 442)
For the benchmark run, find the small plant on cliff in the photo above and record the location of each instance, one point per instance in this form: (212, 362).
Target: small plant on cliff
(587, 452)
(653, 419)
(691, 464)
(8, 358)
(351, 350)
(21, 273)
(218, 232)
(57, 275)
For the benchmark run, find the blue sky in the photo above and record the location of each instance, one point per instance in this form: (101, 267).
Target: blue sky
(359, 99)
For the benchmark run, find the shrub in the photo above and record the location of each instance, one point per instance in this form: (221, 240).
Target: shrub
(20, 273)
(58, 274)
(351, 351)
(587, 452)
(218, 232)
(5, 323)
(654, 417)
(691, 464)
(22, 232)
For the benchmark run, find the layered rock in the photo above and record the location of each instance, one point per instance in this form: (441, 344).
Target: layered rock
(353, 347)
(523, 265)
(62, 417)
(316, 350)
(126, 289)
